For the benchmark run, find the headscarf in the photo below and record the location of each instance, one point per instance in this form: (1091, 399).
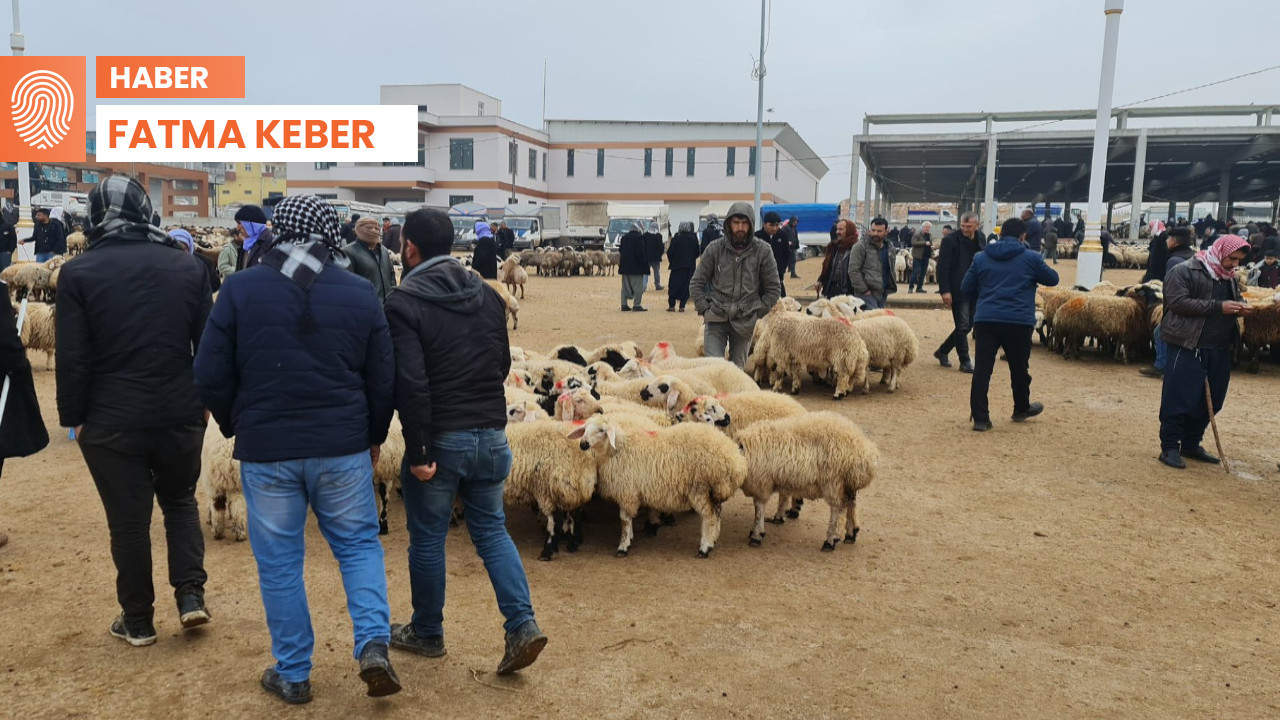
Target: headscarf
(839, 245)
(118, 206)
(184, 237)
(637, 227)
(686, 226)
(252, 231)
(307, 236)
(483, 230)
(368, 231)
(1213, 256)
(653, 226)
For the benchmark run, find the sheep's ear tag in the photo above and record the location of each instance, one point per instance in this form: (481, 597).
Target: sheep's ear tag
(673, 399)
(613, 437)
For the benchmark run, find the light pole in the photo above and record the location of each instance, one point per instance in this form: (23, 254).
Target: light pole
(1089, 261)
(759, 115)
(25, 227)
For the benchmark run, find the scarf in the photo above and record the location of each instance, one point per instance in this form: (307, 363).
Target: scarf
(1213, 256)
(307, 241)
(483, 230)
(184, 237)
(836, 247)
(686, 226)
(119, 206)
(252, 231)
(368, 231)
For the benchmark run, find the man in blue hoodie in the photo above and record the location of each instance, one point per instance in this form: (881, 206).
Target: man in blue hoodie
(1001, 285)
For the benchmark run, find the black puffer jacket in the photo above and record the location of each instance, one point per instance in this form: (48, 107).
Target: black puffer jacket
(130, 316)
(449, 330)
(633, 256)
(22, 430)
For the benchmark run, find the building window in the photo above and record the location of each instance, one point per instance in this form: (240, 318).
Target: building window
(648, 162)
(569, 168)
(459, 199)
(319, 166)
(533, 164)
(462, 154)
(512, 149)
(688, 162)
(544, 167)
(248, 192)
(248, 167)
(225, 191)
(670, 161)
(327, 196)
(186, 184)
(751, 161)
(600, 162)
(423, 108)
(730, 161)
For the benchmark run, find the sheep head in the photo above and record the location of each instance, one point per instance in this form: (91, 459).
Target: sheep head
(634, 370)
(595, 433)
(665, 388)
(705, 409)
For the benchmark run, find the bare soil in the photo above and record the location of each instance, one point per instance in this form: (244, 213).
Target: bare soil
(1051, 569)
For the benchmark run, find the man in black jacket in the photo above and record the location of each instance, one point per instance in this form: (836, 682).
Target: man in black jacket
(954, 260)
(506, 240)
(450, 335)
(682, 256)
(633, 268)
(653, 249)
(779, 244)
(793, 241)
(130, 314)
(1178, 242)
(711, 233)
(485, 257)
(22, 430)
(49, 236)
(8, 243)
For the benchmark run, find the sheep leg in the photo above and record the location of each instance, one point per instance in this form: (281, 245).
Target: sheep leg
(218, 516)
(851, 518)
(238, 513)
(552, 544)
(573, 522)
(710, 525)
(779, 514)
(624, 545)
(652, 524)
(48, 361)
(833, 527)
(794, 506)
(382, 507)
(757, 530)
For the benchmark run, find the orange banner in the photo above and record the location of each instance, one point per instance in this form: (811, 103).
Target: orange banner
(177, 76)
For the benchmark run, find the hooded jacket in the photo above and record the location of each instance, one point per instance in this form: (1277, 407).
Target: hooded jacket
(1177, 256)
(653, 247)
(1001, 283)
(449, 329)
(736, 287)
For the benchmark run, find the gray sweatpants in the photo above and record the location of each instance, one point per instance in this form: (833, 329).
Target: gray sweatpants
(720, 336)
(633, 288)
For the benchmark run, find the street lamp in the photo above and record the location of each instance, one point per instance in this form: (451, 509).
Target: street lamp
(1089, 260)
(25, 227)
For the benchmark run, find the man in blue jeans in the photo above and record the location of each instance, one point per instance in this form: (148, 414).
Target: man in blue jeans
(296, 362)
(450, 335)
(49, 236)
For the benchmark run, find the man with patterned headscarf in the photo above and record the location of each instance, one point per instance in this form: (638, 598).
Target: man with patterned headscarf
(296, 363)
(129, 316)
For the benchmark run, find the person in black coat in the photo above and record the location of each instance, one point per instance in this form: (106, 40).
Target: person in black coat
(710, 234)
(506, 240)
(1157, 257)
(633, 268)
(954, 258)
(793, 242)
(22, 430)
(653, 248)
(485, 258)
(49, 236)
(682, 256)
(130, 315)
(779, 242)
(8, 243)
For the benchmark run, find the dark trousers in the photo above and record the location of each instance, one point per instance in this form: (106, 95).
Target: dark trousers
(1183, 412)
(782, 279)
(958, 340)
(791, 262)
(1015, 340)
(919, 268)
(678, 287)
(131, 468)
(657, 274)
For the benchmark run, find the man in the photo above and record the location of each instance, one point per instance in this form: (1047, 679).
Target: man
(833, 279)
(711, 233)
(779, 244)
(296, 363)
(793, 232)
(653, 248)
(1051, 245)
(633, 268)
(867, 267)
(370, 259)
(129, 316)
(8, 242)
(506, 240)
(252, 240)
(954, 259)
(1179, 249)
(735, 285)
(1035, 231)
(682, 258)
(189, 242)
(921, 254)
(391, 235)
(1201, 304)
(485, 257)
(22, 430)
(50, 237)
(450, 334)
(1001, 284)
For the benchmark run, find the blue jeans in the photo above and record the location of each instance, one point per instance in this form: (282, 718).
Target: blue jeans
(340, 491)
(472, 464)
(44, 257)
(874, 302)
(1162, 348)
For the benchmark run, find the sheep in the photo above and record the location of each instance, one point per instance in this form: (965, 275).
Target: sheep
(519, 354)
(525, 411)
(902, 265)
(668, 390)
(663, 355)
(1122, 320)
(219, 487)
(682, 467)
(602, 371)
(816, 455)
(1052, 299)
(569, 353)
(511, 274)
(512, 394)
(545, 373)
(513, 306)
(891, 346)
(550, 472)
(386, 472)
(634, 369)
(1261, 328)
(794, 345)
(624, 389)
(76, 243)
(839, 306)
(789, 304)
(616, 354)
(519, 378)
(734, 413)
(27, 280)
(581, 404)
(40, 330)
(721, 375)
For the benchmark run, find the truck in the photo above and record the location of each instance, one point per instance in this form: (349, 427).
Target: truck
(464, 217)
(586, 223)
(622, 215)
(919, 217)
(813, 220)
(534, 225)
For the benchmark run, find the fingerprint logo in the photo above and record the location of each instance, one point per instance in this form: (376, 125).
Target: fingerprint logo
(42, 108)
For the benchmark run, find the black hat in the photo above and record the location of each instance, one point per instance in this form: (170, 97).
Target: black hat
(1272, 253)
(251, 213)
(773, 217)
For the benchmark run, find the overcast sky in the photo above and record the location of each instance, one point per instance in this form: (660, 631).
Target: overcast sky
(829, 61)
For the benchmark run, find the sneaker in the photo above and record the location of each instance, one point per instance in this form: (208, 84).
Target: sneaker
(1172, 459)
(376, 670)
(1198, 453)
(294, 693)
(626, 309)
(403, 637)
(137, 637)
(192, 612)
(981, 425)
(942, 358)
(1151, 372)
(966, 366)
(1032, 410)
(523, 647)
(639, 309)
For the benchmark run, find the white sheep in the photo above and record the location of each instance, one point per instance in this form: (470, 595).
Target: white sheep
(550, 472)
(219, 486)
(816, 455)
(40, 330)
(891, 346)
(682, 467)
(581, 404)
(386, 472)
(668, 391)
(511, 275)
(721, 375)
(737, 412)
(793, 345)
(635, 369)
(513, 305)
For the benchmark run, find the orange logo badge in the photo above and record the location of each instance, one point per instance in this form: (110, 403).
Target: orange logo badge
(46, 97)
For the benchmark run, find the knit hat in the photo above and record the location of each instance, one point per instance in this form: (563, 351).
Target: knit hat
(1272, 253)
(251, 213)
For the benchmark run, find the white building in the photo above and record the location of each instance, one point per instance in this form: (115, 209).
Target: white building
(470, 153)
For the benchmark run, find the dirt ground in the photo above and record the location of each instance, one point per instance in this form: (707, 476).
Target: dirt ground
(1051, 569)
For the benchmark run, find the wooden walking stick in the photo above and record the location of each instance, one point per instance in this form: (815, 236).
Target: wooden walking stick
(1213, 421)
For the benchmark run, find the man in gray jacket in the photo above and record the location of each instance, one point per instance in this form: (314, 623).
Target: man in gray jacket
(735, 285)
(867, 276)
(370, 259)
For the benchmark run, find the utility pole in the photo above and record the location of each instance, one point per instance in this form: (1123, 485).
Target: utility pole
(1089, 261)
(759, 114)
(25, 227)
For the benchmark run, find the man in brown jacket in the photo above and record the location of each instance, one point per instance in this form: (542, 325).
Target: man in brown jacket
(735, 285)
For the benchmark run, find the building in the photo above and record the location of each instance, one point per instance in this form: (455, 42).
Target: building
(249, 183)
(468, 152)
(174, 191)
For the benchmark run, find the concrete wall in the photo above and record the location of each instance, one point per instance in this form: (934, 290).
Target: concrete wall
(442, 99)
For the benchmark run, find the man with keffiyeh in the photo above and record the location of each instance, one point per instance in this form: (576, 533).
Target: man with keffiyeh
(129, 318)
(296, 363)
(1202, 303)
(250, 243)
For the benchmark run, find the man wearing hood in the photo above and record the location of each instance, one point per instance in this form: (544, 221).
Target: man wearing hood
(1001, 287)
(711, 233)
(682, 255)
(391, 235)
(485, 256)
(370, 259)
(653, 249)
(296, 364)
(129, 317)
(633, 268)
(449, 329)
(735, 285)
